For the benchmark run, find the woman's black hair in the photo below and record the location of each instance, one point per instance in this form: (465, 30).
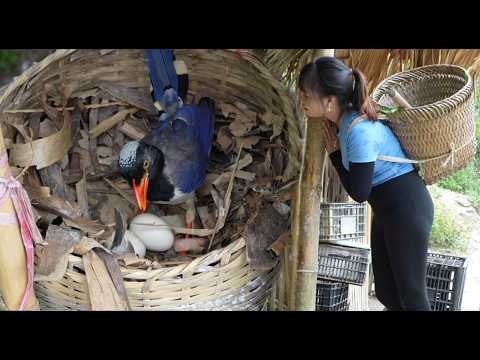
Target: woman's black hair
(328, 76)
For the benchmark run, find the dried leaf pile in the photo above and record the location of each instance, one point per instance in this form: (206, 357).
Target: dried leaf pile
(65, 153)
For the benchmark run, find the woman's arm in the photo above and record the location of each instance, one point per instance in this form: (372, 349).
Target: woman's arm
(357, 181)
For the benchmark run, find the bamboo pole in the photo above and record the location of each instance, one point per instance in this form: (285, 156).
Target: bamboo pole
(306, 221)
(13, 265)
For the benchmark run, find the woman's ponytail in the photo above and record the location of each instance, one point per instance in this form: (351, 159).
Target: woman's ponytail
(361, 102)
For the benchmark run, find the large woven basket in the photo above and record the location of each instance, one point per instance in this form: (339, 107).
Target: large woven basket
(222, 279)
(219, 280)
(439, 129)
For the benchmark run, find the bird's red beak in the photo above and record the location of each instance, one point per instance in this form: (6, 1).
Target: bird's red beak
(141, 192)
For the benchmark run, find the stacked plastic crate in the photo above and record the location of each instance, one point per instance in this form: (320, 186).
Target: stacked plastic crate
(343, 255)
(445, 281)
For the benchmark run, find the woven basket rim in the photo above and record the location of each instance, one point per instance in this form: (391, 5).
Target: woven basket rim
(233, 247)
(452, 98)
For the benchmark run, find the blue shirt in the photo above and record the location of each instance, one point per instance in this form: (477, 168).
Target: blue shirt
(367, 140)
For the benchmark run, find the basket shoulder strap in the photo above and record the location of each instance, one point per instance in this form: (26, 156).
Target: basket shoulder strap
(397, 159)
(382, 157)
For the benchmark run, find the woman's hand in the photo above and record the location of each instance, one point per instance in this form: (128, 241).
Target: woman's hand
(329, 132)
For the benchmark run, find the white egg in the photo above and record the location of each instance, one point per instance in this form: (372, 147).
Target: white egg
(153, 232)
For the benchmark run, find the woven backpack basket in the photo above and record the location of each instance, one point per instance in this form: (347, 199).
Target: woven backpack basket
(438, 131)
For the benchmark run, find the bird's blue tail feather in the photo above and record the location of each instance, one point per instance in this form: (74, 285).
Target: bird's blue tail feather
(162, 71)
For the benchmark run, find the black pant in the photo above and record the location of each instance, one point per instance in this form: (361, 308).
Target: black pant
(402, 220)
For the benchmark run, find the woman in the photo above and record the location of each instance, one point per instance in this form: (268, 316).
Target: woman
(401, 204)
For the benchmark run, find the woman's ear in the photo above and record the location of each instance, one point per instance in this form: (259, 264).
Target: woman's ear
(329, 103)
(332, 100)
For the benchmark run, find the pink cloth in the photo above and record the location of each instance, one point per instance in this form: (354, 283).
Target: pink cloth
(24, 217)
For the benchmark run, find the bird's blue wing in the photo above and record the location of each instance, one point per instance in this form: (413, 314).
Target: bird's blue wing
(162, 71)
(199, 128)
(186, 145)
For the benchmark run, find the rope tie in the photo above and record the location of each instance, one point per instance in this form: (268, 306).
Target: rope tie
(451, 156)
(10, 187)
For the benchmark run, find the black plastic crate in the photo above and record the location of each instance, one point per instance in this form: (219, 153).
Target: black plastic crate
(331, 296)
(347, 264)
(445, 281)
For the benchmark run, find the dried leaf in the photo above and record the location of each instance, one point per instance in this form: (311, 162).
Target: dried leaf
(104, 155)
(86, 244)
(113, 269)
(85, 159)
(129, 197)
(140, 98)
(223, 210)
(228, 109)
(53, 114)
(278, 123)
(64, 162)
(225, 177)
(207, 216)
(239, 128)
(278, 246)
(53, 262)
(224, 139)
(262, 230)
(267, 118)
(249, 142)
(82, 197)
(84, 142)
(43, 152)
(132, 130)
(206, 187)
(52, 177)
(66, 211)
(105, 211)
(243, 163)
(109, 123)
(105, 140)
(102, 292)
(131, 259)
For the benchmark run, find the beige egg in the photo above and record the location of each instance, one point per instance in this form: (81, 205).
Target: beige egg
(153, 232)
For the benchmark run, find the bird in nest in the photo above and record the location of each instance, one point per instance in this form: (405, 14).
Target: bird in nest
(171, 161)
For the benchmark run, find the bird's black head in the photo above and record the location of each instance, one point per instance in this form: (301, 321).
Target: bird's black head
(138, 163)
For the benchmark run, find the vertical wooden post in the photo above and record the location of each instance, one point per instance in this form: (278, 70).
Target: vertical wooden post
(13, 265)
(306, 220)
